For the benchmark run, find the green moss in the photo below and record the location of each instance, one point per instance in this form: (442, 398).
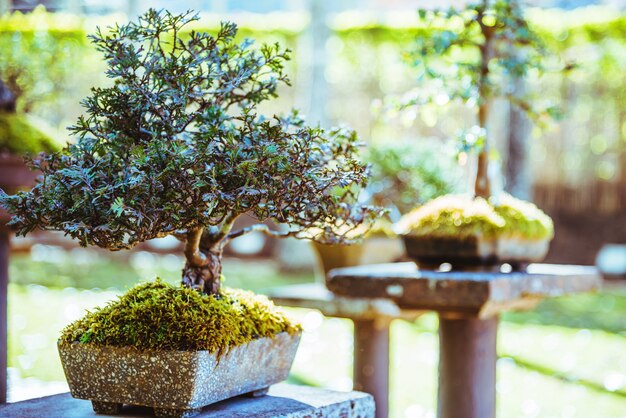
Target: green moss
(463, 216)
(382, 228)
(160, 316)
(524, 218)
(19, 135)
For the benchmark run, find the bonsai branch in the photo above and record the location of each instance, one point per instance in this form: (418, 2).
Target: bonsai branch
(261, 228)
(482, 186)
(192, 249)
(312, 233)
(214, 237)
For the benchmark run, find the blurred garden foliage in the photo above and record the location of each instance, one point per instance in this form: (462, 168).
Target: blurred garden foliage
(42, 57)
(51, 64)
(47, 60)
(407, 173)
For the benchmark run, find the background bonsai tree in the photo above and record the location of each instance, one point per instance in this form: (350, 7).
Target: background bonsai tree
(474, 55)
(176, 146)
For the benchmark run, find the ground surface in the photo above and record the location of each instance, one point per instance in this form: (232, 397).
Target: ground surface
(582, 337)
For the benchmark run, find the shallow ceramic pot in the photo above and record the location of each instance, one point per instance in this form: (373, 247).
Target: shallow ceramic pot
(474, 251)
(174, 383)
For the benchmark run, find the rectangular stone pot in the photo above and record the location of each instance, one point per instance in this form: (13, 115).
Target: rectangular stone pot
(474, 251)
(174, 383)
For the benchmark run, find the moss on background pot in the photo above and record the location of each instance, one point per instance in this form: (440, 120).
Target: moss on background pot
(463, 217)
(159, 316)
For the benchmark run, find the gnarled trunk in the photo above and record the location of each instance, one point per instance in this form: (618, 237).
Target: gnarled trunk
(205, 277)
(203, 266)
(482, 186)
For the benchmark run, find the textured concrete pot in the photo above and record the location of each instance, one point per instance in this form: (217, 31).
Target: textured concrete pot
(174, 383)
(474, 251)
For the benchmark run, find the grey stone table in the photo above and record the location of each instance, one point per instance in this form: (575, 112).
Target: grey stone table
(468, 305)
(371, 318)
(283, 400)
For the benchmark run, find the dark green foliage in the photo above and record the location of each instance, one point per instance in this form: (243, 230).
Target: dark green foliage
(176, 144)
(159, 316)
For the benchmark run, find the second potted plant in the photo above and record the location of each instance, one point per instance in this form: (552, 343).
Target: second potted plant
(485, 47)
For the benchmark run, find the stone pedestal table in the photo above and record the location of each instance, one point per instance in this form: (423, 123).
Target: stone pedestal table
(468, 304)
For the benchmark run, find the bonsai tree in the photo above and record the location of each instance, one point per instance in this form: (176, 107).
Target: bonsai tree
(473, 55)
(177, 146)
(33, 70)
(40, 61)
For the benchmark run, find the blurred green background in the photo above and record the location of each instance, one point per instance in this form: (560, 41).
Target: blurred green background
(566, 358)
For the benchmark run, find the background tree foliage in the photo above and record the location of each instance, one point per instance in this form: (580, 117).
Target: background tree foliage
(409, 173)
(35, 62)
(473, 55)
(176, 146)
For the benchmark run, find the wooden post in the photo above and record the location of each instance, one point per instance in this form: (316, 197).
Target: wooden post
(4, 281)
(518, 172)
(371, 361)
(467, 368)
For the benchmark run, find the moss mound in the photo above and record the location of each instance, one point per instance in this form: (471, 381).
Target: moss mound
(463, 216)
(159, 316)
(19, 135)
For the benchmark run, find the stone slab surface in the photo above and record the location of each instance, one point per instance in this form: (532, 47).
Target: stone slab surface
(317, 296)
(283, 400)
(457, 293)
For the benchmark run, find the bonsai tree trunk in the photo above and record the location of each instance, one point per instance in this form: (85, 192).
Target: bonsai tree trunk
(203, 266)
(482, 187)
